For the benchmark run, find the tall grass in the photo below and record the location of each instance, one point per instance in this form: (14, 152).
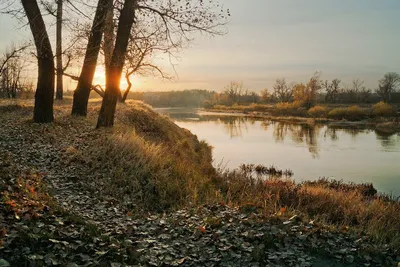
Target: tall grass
(352, 113)
(148, 160)
(332, 202)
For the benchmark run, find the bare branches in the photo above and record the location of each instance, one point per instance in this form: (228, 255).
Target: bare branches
(387, 85)
(12, 54)
(283, 91)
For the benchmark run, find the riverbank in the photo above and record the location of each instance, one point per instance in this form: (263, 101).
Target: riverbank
(384, 121)
(145, 193)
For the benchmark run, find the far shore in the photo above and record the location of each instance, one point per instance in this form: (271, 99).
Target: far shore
(383, 125)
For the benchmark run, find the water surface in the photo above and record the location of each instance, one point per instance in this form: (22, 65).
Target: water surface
(309, 151)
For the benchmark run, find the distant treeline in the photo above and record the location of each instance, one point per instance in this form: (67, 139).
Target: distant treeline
(312, 92)
(185, 98)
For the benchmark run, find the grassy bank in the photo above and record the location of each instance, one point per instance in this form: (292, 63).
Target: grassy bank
(381, 116)
(146, 163)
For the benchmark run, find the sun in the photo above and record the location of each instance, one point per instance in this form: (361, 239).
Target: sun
(100, 78)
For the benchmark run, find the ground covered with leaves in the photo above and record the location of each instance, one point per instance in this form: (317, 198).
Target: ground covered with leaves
(54, 212)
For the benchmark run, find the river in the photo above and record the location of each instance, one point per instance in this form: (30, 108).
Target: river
(311, 152)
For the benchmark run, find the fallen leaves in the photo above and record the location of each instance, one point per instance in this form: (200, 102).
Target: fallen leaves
(85, 229)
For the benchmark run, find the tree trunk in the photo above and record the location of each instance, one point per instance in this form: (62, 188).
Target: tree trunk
(108, 46)
(59, 89)
(44, 96)
(113, 73)
(82, 92)
(124, 96)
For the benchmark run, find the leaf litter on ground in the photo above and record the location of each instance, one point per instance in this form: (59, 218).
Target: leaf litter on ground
(49, 217)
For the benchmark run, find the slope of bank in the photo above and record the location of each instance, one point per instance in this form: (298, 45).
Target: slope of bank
(145, 193)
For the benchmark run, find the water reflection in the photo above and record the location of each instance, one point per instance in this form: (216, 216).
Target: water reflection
(388, 141)
(301, 134)
(310, 150)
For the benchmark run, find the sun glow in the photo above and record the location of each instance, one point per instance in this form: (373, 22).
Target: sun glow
(100, 78)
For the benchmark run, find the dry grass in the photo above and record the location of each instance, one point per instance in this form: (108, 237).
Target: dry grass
(349, 206)
(351, 113)
(289, 109)
(318, 112)
(148, 160)
(254, 107)
(383, 109)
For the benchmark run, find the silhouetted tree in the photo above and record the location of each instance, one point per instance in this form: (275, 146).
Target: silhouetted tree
(332, 90)
(283, 91)
(387, 85)
(44, 96)
(114, 70)
(307, 93)
(60, 68)
(82, 92)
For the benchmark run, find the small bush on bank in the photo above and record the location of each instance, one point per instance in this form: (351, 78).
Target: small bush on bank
(318, 112)
(350, 113)
(220, 107)
(289, 109)
(383, 109)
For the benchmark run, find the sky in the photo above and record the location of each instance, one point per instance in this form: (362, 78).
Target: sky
(292, 39)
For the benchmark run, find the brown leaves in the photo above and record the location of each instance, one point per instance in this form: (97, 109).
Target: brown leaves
(3, 232)
(25, 197)
(202, 229)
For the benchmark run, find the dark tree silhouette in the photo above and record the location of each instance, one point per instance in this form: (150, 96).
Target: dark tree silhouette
(44, 96)
(59, 16)
(82, 92)
(387, 85)
(114, 70)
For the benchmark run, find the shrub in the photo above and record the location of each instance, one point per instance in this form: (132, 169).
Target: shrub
(289, 109)
(383, 109)
(350, 113)
(208, 104)
(221, 107)
(259, 107)
(318, 112)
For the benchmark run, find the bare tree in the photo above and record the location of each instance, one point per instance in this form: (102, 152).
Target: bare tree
(10, 71)
(114, 70)
(307, 93)
(178, 19)
(60, 68)
(283, 91)
(10, 75)
(82, 92)
(44, 96)
(387, 85)
(332, 90)
(265, 95)
(144, 44)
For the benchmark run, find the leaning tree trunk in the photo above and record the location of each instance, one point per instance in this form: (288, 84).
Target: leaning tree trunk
(82, 92)
(59, 89)
(124, 96)
(108, 46)
(44, 96)
(114, 71)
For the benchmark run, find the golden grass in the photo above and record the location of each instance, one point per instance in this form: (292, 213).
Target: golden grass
(383, 109)
(352, 113)
(318, 112)
(356, 207)
(148, 160)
